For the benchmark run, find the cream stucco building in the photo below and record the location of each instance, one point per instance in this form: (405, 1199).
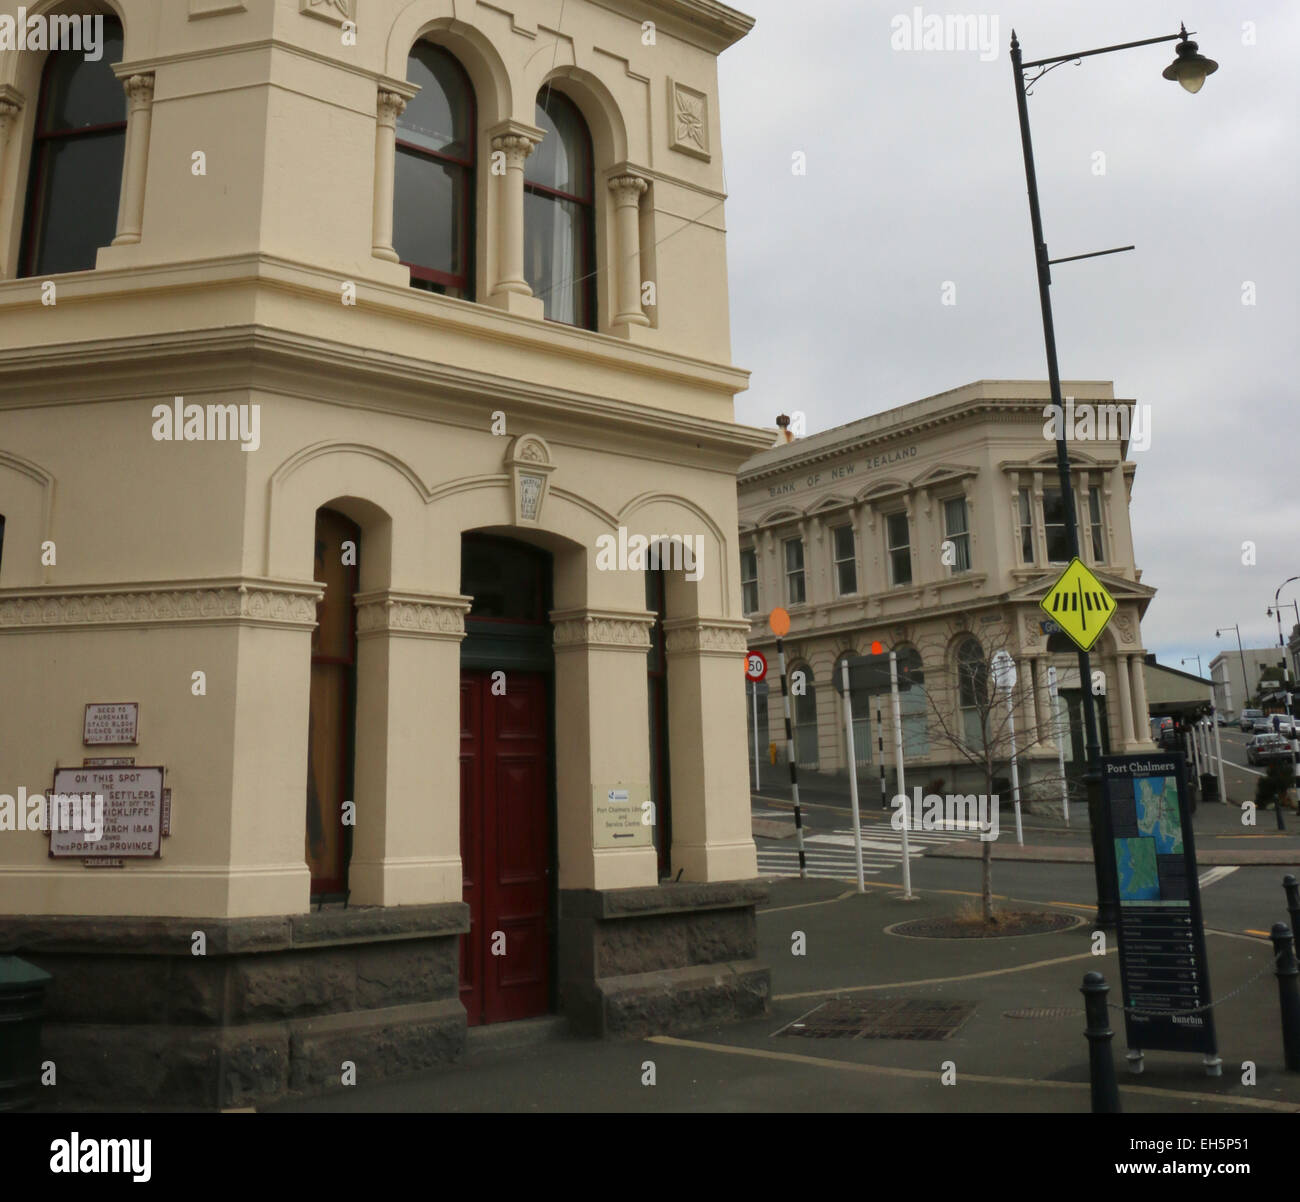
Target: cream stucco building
(935, 528)
(335, 335)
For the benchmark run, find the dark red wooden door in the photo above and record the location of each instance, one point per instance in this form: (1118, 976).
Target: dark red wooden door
(505, 847)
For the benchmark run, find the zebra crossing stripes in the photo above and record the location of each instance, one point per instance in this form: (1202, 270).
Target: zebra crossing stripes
(831, 856)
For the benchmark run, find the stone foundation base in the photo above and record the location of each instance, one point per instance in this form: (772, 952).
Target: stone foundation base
(273, 1007)
(636, 962)
(177, 1013)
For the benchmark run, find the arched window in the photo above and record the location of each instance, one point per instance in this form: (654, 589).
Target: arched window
(973, 693)
(805, 721)
(76, 172)
(862, 701)
(331, 727)
(560, 214)
(433, 194)
(912, 704)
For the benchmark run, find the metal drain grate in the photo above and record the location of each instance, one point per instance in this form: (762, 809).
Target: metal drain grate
(1044, 1012)
(882, 1018)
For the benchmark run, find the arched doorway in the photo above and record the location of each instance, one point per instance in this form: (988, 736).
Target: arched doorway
(1069, 706)
(507, 797)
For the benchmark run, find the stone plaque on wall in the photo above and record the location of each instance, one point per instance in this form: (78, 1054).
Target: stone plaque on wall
(619, 816)
(111, 722)
(128, 812)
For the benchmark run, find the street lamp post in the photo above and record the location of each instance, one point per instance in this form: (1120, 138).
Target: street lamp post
(1199, 670)
(1190, 70)
(1245, 680)
(1286, 685)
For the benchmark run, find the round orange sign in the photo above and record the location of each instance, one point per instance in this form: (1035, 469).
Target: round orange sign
(779, 621)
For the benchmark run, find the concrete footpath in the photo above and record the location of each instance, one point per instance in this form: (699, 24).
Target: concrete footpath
(995, 1062)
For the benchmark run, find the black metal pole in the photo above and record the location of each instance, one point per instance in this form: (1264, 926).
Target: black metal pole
(880, 748)
(1103, 867)
(1292, 889)
(794, 770)
(1288, 991)
(1101, 1063)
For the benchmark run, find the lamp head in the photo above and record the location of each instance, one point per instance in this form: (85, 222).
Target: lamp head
(1190, 68)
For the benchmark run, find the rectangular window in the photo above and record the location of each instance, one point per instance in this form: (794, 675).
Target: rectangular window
(846, 564)
(1026, 527)
(900, 552)
(749, 579)
(1094, 520)
(794, 587)
(958, 532)
(1058, 542)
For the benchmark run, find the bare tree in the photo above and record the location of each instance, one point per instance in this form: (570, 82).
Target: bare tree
(970, 716)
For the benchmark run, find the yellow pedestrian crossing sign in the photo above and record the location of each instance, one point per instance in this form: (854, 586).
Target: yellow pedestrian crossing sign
(1079, 604)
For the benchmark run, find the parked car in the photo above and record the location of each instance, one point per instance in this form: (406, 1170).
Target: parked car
(1266, 748)
(1248, 717)
(1264, 725)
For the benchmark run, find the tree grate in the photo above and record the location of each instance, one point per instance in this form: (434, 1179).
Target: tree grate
(1045, 1012)
(881, 1018)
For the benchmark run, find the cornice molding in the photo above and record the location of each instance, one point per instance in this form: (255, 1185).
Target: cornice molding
(706, 636)
(393, 614)
(607, 629)
(232, 601)
(990, 410)
(319, 365)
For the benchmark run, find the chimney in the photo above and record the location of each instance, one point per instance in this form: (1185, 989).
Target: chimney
(783, 424)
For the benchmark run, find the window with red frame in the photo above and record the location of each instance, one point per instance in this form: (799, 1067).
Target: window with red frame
(560, 214)
(76, 170)
(433, 193)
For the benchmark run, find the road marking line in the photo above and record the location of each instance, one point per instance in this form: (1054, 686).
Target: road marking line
(969, 976)
(916, 1074)
(805, 905)
(1211, 875)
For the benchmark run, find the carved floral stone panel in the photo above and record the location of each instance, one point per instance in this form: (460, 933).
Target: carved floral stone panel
(688, 120)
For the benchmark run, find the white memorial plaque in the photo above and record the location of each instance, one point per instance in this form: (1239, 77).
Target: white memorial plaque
(129, 814)
(111, 722)
(622, 816)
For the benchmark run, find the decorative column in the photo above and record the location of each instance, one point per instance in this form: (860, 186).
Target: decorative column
(389, 107)
(1125, 701)
(628, 190)
(514, 142)
(406, 848)
(602, 743)
(1142, 715)
(1037, 691)
(10, 106)
(712, 836)
(135, 161)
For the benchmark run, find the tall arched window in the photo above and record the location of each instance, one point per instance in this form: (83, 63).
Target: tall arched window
(912, 705)
(76, 172)
(973, 693)
(805, 722)
(331, 727)
(433, 193)
(560, 214)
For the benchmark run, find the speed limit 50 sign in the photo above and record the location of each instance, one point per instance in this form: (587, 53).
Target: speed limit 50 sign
(755, 666)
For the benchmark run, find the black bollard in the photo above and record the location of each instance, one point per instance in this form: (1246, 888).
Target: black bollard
(1292, 887)
(1101, 1064)
(1288, 992)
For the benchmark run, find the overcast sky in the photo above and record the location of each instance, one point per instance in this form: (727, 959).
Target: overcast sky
(915, 177)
